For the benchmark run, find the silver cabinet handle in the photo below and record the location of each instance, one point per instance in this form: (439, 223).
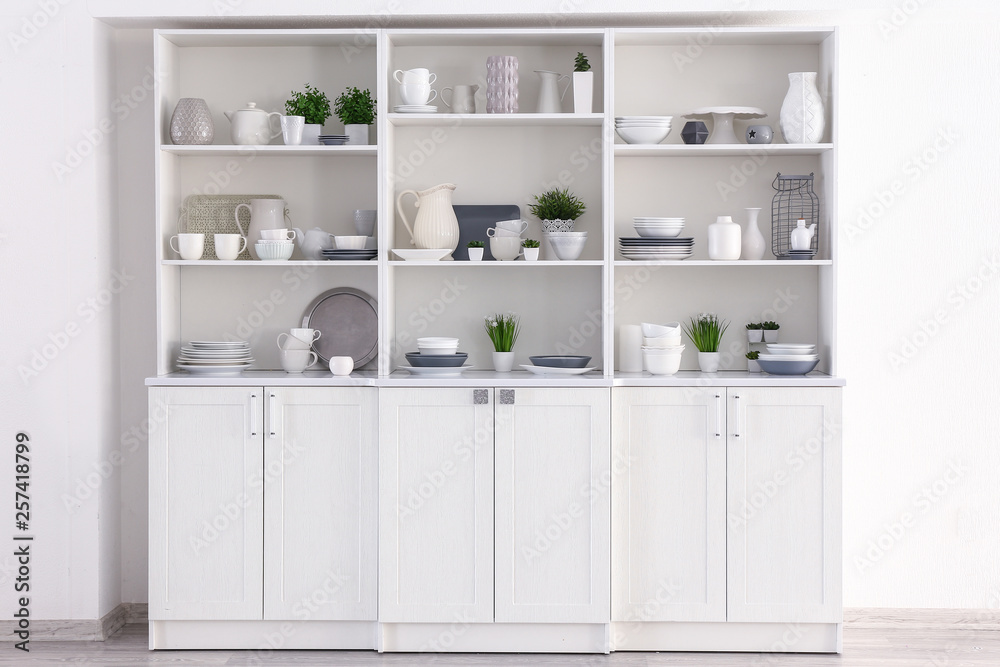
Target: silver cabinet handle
(480, 397)
(718, 416)
(270, 414)
(737, 401)
(253, 415)
(506, 396)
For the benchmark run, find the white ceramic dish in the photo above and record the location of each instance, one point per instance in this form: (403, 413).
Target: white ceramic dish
(642, 135)
(219, 344)
(791, 348)
(274, 252)
(422, 254)
(437, 340)
(350, 242)
(661, 364)
(552, 370)
(213, 370)
(659, 232)
(567, 249)
(436, 371)
(789, 357)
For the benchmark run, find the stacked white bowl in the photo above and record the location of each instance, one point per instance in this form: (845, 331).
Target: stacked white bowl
(437, 345)
(661, 348)
(643, 129)
(650, 226)
(566, 246)
(274, 245)
(789, 358)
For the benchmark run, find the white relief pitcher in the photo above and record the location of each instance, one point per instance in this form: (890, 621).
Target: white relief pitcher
(436, 225)
(549, 99)
(264, 214)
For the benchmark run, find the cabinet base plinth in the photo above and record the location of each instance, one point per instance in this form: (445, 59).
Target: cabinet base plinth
(462, 637)
(263, 635)
(729, 637)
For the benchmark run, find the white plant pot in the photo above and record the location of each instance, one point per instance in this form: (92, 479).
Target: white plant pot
(476, 254)
(753, 366)
(310, 134)
(357, 134)
(531, 254)
(583, 92)
(755, 335)
(771, 336)
(503, 362)
(708, 362)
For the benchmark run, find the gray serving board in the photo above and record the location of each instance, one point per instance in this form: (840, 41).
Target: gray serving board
(473, 221)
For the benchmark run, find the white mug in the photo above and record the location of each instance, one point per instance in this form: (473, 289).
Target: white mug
(277, 234)
(341, 365)
(229, 246)
(296, 361)
(417, 93)
(189, 246)
(513, 225)
(291, 129)
(291, 342)
(416, 75)
(494, 232)
(505, 249)
(306, 335)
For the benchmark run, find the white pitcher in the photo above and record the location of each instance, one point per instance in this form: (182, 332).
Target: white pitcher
(264, 214)
(436, 225)
(549, 99)
(463, 98)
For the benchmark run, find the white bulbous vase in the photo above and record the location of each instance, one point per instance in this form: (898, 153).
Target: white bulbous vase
(724, 239)
(802, 118)
(753, 240)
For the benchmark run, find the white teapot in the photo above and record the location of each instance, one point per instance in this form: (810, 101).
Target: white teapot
(802, 236)
(313, 242)
(252, 126)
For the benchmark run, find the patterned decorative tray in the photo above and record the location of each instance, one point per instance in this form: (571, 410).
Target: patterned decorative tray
(215, 214)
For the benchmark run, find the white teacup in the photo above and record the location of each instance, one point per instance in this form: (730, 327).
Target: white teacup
(513, 225)
(290, 342)
(277, 234)
(415, 75)
(417, 93)
(505, 248)
(306, 335)
(296, 361)
(229, 246)
(341, 366)
(189, 246)
(496, 232)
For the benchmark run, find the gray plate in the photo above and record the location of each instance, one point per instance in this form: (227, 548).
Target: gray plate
(348, 320)
(787, 367)
(418, 360)
(473, 221)
(560, 361)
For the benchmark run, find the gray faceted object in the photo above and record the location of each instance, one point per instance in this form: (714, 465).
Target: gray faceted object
(694, 132)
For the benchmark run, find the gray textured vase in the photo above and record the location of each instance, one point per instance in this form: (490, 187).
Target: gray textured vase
(501, 84)
(191, 122)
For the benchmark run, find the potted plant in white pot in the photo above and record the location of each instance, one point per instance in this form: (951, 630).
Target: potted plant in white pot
(356, 110)
(752, 365)
(583, 85)
(706, 334)
(314, 106)
(476, 250)
(531, 248)
(503, 331)
(770, 331)
(558, 211)
(755, 332)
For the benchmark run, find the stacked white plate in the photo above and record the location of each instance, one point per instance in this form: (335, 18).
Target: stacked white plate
(207, 357)
(790, 352)
(643, 129)
(653, 248)
(414, 108)
(658, 227)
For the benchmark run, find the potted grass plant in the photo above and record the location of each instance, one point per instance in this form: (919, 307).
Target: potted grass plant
(583, 85)
(356, 110)
(476, 250)
(503, 331)
(770, 331)
(705, 332)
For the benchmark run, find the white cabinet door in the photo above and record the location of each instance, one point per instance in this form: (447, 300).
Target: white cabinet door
(553, 496)
(436, 505)
(669, 497)
(784, 500)
(206, 502)
(320, 503)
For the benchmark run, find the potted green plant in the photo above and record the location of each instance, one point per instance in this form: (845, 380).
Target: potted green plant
(755, 332)
(557, 209)
(752, 365)
(356, 110)
(583, 85)
(770, 331)
(531, 247)
(476, 250)
(706, 334)
(314, 107)
(503, 331)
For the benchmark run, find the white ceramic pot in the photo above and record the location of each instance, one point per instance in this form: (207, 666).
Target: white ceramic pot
(476, 254)
(357, 134)
(753, 241)
(755, 335)
(724, 237)
(708, 362)
(753, 366)
(771, 336)
(583, 92)
(310, 134)
(503, 361)
(531, 254)
(802, 118)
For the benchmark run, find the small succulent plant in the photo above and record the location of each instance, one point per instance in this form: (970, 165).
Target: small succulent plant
(770, 326)
(753, 355)
(581, 64)
(530, 243)
(475, 244)
(755, 326)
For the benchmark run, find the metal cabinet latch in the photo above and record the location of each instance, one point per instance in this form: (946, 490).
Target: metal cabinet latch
(506, 397)
(480, 397)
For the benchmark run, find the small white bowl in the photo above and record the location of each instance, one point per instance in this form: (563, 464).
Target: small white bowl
(350, 242)
(643, 135)
(662, 342)
(274, 252)
(422, 349)
(650, 330)
(437, 340)
(661, 364)
(659, 232)
(567, 249)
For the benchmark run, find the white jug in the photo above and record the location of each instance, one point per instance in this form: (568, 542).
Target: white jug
(264, 214)
(463, 98)
(436, 225)
(801, 236)
(549, 99)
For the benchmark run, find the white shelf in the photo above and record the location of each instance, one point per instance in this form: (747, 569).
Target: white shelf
(726, 379)
(254, 262)
(284, 151)
(453, 120)
(718, 150)
(495, 263)
(711, 262)
(269, 378)
(491, 378)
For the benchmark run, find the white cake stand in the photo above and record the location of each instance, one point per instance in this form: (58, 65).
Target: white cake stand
(722, 121)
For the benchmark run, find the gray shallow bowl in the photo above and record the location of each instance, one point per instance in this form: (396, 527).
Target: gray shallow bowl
(787, 367)
(560, 361)
(436, 360)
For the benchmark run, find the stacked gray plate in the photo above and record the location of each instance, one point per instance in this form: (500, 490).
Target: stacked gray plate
(654, 248)
(356, 255)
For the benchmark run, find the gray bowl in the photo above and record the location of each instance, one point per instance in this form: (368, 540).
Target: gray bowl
(787, 367)
(560, 361)
(436, 360)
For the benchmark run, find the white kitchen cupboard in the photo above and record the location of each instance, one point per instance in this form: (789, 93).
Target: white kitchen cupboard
(553, 505)
(784, 505)
(668, 530)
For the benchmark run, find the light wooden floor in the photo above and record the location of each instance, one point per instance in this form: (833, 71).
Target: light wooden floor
(862, 648)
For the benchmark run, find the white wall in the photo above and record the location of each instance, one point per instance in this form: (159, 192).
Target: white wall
(912, 76)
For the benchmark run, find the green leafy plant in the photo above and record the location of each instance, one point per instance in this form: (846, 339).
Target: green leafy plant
(706, 332)
(503, 331)
(581, 64)
(753, 355)
(755, 326)
(475, 244)
(530, 243)
(557, 204)
(770, 326)
(313, 104)
(355, 107)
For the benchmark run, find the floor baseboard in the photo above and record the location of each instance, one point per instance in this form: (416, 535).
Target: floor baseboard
(917, 618)
(80, 629)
